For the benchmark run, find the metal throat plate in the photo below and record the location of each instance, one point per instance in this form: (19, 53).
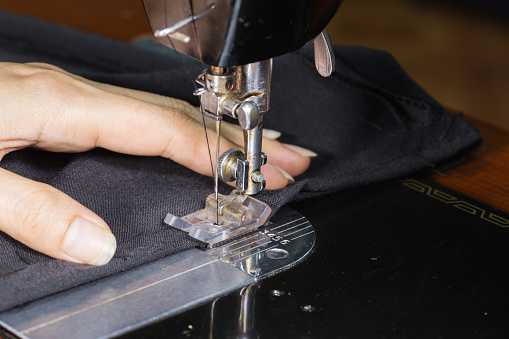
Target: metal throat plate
(118, 304)
(273, 248)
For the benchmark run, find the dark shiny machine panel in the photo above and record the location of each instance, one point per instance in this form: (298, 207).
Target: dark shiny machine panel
(238, 32)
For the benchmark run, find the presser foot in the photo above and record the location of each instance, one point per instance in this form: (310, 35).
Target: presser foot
(238, 214)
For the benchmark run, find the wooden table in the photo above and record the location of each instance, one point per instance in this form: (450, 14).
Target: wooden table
(485, 176)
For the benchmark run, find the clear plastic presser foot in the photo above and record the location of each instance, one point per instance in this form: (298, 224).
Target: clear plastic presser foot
(238, 214)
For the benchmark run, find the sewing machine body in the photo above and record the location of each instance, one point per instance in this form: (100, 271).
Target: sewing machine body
(402, 258)
(239, 32)
(238, 39)
(398, 259)
(130, 300)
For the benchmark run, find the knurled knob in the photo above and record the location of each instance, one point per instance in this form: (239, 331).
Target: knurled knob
(228, 164)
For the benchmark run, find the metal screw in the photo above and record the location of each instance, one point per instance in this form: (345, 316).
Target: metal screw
(248, 115)
(257, 176)
(263, 157)
(229, 84)
(255, 270)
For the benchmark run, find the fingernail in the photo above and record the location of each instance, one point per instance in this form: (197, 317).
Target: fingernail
(302, 151)
(271, 134)
(89, 243)
(291, 180)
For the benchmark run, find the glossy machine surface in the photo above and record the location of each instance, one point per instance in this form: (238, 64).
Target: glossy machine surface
(401, 259)
(239, 32)
(405, 258)
(162, 288)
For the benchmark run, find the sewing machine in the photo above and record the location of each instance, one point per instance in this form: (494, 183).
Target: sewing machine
(238, 39)
(400, 258)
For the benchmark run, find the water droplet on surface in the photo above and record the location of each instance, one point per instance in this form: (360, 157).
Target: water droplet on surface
(308, 308)
(277, 293)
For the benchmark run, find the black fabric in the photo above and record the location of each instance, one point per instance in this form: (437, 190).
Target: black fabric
(368, 122)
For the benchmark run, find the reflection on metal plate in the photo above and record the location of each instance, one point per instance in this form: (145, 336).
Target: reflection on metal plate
(148, 293)
(273, 248)
(128, 300)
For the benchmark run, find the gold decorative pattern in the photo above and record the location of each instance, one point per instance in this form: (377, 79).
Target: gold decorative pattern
(459, 204)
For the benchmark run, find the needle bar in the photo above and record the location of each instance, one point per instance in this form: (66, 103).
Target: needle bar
(216, 174)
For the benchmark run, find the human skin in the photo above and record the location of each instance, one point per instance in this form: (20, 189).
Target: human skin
(47, 108)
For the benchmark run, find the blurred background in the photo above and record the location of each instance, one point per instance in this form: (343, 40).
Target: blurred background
(458, 50)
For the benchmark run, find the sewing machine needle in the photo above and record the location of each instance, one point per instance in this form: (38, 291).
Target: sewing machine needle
(216, 176)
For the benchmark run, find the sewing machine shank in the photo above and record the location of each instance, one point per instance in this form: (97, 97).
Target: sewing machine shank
(239, 39)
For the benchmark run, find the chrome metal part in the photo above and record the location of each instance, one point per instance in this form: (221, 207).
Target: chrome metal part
(174, 28)
(219, 80)
(258, 177)
(238, 214)
(228, 164)
(273, 248)
(264, 158)
(252, 153)
(229, 105)
(242, 175)
(216, 169)
(247, 309)
(233, 166)
(254, 82)
(243, 93)
(325, 61)
(144, 295)
(248, 115)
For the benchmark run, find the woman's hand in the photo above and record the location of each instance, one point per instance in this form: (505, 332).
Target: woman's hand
(45, 107)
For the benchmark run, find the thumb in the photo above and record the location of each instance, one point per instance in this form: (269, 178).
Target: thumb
(50, 222)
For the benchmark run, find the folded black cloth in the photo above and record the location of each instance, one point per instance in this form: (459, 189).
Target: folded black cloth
(368, 122)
